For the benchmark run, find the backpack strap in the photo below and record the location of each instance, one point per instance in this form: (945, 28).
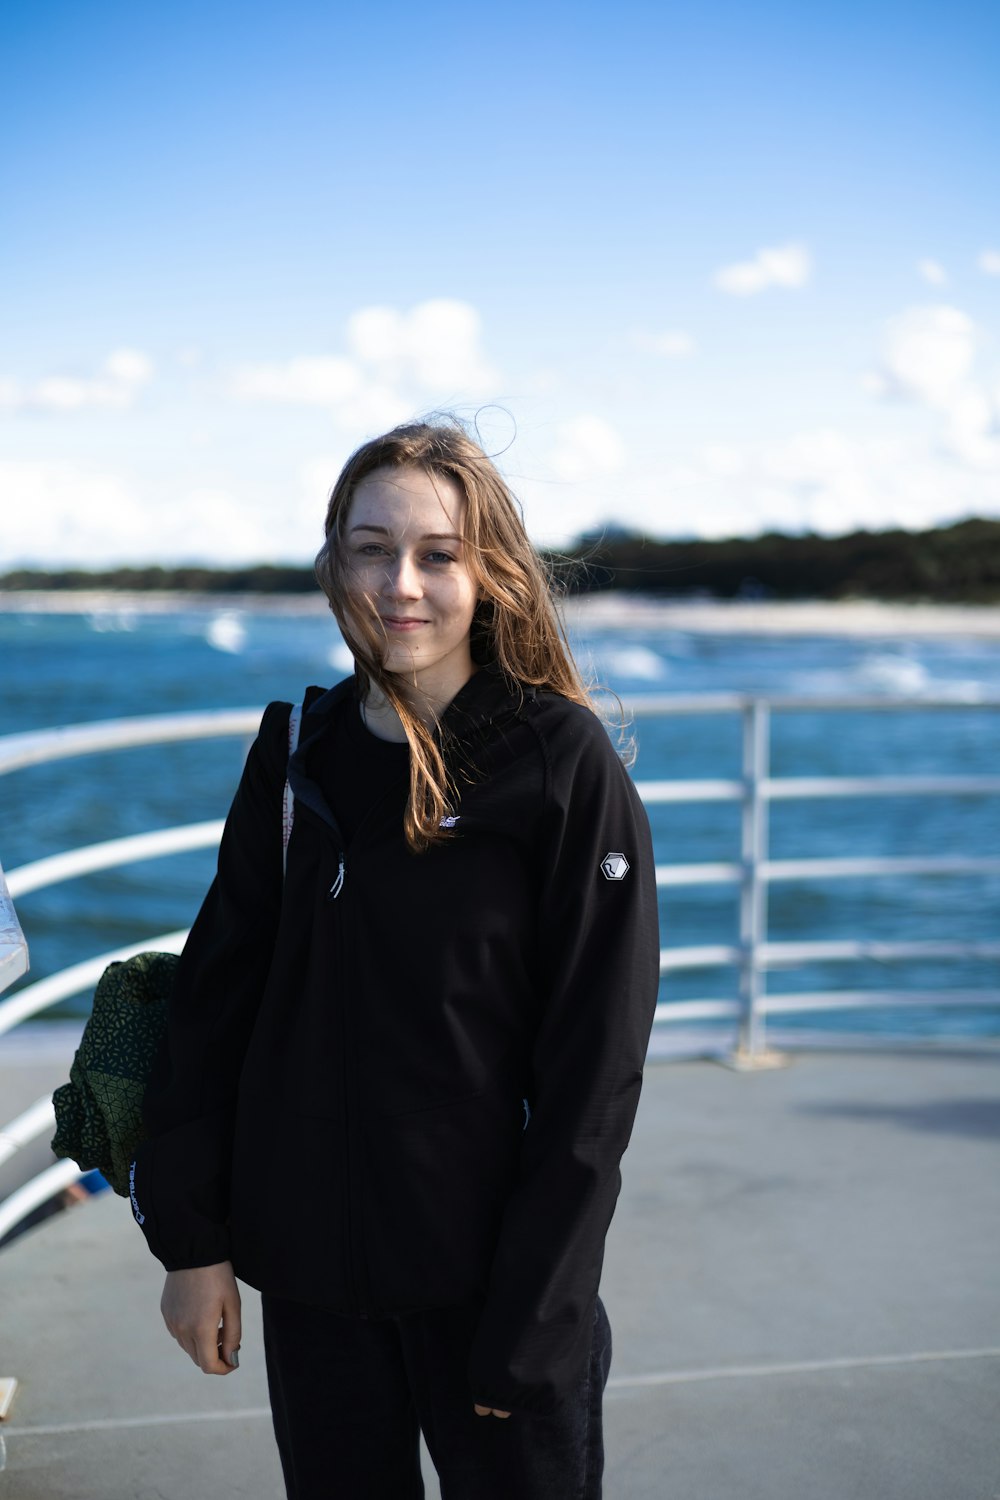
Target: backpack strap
(288, 796)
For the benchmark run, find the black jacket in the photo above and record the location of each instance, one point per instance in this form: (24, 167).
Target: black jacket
(405, 1081)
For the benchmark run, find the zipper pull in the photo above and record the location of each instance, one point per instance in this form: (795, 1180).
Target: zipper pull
(338, 884)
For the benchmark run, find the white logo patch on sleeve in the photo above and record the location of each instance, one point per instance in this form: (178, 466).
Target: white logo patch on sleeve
(615, 866)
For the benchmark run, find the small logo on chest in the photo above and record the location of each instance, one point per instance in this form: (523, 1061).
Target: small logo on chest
(615, 866)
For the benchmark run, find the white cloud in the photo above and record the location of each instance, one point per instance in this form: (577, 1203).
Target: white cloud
(672, 343)
(779, 265)
(932, 271)
(989, 261)
(434, 347)
(316, 476)
(586, 448)
(360, 402)
(929, 356)
(128, 367)
(929, 351)
(117, 383)
(209, 521)
(376, 407)
(823, 481)
(874, 383)
(569, 481)
(396, 360)
(309, 381)
(542, 382)
(56, 512)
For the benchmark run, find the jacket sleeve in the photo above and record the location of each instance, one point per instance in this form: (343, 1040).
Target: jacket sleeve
(179, 1180)
(599, 938)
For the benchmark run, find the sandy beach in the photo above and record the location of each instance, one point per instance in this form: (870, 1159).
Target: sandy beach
(849, 617)
(605, 611)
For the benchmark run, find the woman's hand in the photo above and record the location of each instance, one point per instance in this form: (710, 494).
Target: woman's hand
(489, 1411)
(194, 1304)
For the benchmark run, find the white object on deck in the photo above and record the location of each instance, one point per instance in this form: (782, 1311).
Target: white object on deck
(13, 947)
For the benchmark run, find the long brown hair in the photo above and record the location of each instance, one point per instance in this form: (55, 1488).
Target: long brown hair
(515, 624)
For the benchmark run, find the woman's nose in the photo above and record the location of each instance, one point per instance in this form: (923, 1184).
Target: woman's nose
(402, 579)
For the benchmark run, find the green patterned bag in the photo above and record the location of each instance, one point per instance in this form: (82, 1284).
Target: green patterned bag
(99, 1112)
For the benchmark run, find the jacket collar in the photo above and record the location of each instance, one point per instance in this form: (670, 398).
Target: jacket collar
(488, 695)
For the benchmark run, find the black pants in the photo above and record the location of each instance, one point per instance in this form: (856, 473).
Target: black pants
(350, 1397)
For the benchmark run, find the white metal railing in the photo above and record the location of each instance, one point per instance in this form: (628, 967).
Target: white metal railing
(35, 746)
(38, 1190)
(107, 856)
(32, 1122)
(754, 955)
(37, 1120)
(754, 872)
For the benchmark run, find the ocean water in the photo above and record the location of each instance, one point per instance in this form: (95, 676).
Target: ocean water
(58, 669)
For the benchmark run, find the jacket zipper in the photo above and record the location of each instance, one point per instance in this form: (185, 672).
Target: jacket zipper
(357, 1274)
(351, 1218)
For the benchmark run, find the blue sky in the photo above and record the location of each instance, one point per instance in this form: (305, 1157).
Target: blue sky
(707, 271)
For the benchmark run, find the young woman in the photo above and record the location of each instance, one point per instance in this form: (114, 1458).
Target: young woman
(402, 1066)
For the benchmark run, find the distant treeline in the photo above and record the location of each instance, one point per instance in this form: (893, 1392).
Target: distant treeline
(261, 579)
(958, 564)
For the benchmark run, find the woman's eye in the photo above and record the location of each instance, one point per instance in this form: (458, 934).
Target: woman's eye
(377, 550)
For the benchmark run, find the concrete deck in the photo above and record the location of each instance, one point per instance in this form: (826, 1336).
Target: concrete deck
(803, 1278)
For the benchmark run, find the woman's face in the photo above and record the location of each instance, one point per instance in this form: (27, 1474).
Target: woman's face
(405, 561)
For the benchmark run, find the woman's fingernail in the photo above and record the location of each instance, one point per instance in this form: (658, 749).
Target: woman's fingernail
(234, 1359)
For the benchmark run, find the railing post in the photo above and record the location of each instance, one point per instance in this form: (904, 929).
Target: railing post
(750, 1045)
